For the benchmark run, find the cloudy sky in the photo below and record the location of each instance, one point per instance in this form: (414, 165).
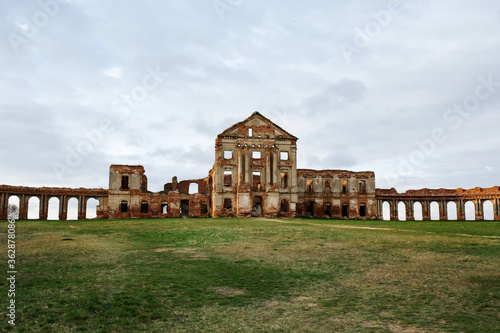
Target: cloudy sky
(408, 89)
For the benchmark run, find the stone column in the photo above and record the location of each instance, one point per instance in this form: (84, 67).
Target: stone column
(460, 210)
(267, 181)
(293, 170)
(426, 210)
(496, 209)
(82, 208)
(380, 209)
(443, 210)
(240, 167)
(63, 208)
(394, 210)
(44, 207)
(248, 172)
(410, 214)
(23, 207)
(3, 206)
(276, 167)
(479, 209)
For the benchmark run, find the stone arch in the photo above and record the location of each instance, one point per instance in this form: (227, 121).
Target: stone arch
(15, 202)
(91, 211)
(386, 211)
(488, 210)
(73, 208)
(54, 208)
(418, 212)
(434, 211)
(451, 207)
(470, 210)
(401, 211)
(34, 208)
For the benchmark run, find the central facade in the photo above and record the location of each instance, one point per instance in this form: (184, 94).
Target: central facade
(255, 170)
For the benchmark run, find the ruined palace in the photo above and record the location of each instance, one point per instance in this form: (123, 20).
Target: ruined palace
(255, 174)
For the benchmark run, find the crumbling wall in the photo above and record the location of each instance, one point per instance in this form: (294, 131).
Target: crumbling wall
(336, 194)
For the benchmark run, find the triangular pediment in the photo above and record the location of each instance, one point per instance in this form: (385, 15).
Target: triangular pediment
(257, 121)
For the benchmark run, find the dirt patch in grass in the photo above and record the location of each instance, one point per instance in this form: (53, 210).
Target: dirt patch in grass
(192, 253)
(228, 291)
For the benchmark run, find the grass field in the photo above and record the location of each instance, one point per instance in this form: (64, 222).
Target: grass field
(254, 275)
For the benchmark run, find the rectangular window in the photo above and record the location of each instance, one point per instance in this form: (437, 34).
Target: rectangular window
(284, 180)
(164, 207)
(344, 186)
(256, 181)
(228, 178)
(228, 154)
(250, 132)
(284, 156)
(309, 186)
(228, 204)
(256, 155)
(124, 206)
(327, 186)
(125, 182)
(204, 209)
(362, 186)
(144, 207)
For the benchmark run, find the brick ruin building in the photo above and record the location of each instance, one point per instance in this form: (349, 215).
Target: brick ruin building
(255, 174)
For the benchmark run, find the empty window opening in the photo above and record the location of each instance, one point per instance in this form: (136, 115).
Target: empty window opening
(92, 208)
(256, 155)
(386, 211)
(185, 208)
(228, 203)
(284, 156)
(434, 211)
(470, 211)
(451, 208)
(193, 188)
(228, 154)
(33, 208)
(418, 214)
(73, 209)
(344, 186)
(284, 180)
(328, 210)
(362, 210)
(362, 186)
(144, 207)
(284, 205)
(401, 211)
(124, 206)
(204, 209)
(228, 178)
(345, 210)
(164, 207)
(250, 132)
(125, 182)
(488, 211)
(327, 186)
(309, 187)
(256, 181)
(53, 213)
(13, 207)
(310, 208)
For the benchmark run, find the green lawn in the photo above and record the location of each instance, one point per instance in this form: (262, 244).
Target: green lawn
(254, 275)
